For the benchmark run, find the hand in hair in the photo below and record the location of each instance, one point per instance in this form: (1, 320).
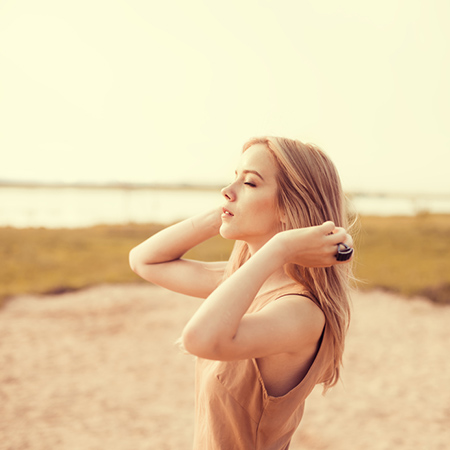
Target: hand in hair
(313, 246)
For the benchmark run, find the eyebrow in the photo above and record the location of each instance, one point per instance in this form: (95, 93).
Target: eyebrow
(251, 171)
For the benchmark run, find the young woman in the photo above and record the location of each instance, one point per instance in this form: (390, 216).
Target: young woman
(275, 316)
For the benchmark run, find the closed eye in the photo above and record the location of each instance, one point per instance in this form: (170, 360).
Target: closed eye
(250, 184)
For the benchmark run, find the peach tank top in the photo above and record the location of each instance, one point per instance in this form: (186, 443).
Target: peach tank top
(233, 408)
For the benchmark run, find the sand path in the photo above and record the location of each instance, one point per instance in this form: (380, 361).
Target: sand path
(97, 369)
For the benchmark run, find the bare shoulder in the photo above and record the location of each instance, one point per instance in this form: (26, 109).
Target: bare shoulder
(302, 302)
(301, 313)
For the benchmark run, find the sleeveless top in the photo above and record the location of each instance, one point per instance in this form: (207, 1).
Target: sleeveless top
(233, 409)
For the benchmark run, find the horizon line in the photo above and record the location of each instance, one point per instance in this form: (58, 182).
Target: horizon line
(195, 186)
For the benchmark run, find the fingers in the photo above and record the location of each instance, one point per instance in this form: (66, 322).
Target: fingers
(336, 236)
(328, 227)
(348, 241)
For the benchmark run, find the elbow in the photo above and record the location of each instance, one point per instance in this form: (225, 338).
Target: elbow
(199, 343)
(192, 341)
(134, 261)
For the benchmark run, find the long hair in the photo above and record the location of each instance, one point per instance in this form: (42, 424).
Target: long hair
(310, 193)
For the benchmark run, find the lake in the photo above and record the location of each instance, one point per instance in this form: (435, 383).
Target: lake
(73, 207)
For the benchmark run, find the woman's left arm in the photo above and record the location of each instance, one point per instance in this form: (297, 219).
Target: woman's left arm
(217, 329)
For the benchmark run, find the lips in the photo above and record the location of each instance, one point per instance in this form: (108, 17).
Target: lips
(227, 213)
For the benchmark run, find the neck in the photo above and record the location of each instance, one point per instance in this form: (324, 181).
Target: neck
(256, 244)
(277, 279)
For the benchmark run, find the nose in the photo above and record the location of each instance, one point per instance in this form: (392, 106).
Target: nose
(228, 193)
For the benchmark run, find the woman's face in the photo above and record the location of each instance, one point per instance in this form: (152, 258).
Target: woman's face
(250, 208)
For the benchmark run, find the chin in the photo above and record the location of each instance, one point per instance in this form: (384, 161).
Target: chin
(226, 234)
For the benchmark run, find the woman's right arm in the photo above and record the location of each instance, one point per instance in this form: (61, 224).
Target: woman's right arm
(158, 259)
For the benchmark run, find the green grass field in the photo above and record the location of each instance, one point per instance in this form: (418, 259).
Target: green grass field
(408, 255)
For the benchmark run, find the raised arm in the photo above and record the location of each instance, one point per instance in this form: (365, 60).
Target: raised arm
(159, 258)
(221, 330)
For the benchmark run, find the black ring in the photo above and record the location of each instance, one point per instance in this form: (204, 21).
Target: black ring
(344, 255)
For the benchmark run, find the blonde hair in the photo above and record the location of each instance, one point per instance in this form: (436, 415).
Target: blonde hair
(310, 193)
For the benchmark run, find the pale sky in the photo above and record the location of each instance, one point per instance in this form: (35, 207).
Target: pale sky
(154, 91)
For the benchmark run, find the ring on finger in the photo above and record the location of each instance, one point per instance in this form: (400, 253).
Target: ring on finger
(345, 253)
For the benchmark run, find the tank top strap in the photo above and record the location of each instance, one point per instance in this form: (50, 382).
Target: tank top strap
(267, 297)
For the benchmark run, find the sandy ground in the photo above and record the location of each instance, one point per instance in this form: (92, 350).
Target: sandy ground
(97, 369)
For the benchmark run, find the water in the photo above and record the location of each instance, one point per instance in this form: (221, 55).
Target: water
(81, 207)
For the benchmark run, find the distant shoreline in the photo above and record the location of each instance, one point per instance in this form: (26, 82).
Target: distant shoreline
(205, 187)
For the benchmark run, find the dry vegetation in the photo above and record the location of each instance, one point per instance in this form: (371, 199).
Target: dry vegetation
(40, 260)
(409, 255)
